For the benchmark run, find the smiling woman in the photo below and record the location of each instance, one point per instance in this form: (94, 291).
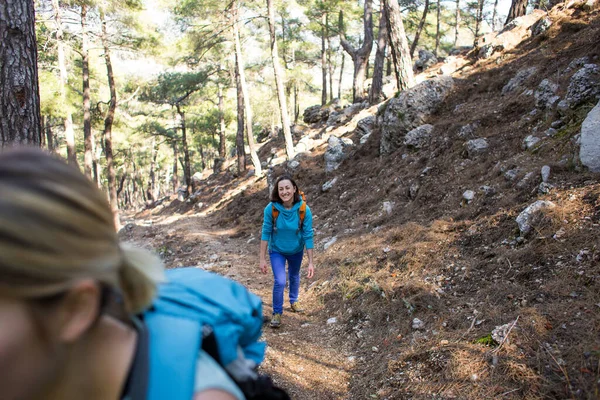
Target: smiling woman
(286, 231)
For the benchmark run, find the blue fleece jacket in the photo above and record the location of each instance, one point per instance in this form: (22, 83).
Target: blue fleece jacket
(286, 239)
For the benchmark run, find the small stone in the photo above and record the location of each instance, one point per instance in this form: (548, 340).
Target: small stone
(418, 324)
(468, 195)
(329, 184)
(374, 349)
(551, 132)
(444, 342)
(557, 124)
(545, 173)
(388, 207)
(332, 320)
(530, 141)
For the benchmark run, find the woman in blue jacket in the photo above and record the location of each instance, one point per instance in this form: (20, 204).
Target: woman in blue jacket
(285, 234)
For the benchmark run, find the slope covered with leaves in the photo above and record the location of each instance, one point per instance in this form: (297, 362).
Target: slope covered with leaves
(421, 286)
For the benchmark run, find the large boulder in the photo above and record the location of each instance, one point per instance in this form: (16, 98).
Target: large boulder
(530, 216)
(517, 81)
(545, 94)
(315, 114)
(476, 147)
(589, 152)
(337, 151)
(584, 86)
(365, 126)
(418, 137)
(426, 59)
(411, 109)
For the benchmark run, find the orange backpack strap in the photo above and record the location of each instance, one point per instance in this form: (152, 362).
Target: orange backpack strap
(302, 211)
(275, 214)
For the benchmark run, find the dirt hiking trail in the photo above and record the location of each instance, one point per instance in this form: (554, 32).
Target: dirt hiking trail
(301, 356)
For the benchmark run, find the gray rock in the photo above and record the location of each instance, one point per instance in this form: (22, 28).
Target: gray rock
(468, 195)
(589, 151)
(583, 86)
(418, 137)
(329, 243)
(486, 51)
(511, 174)
(315, 114)
(476, 147)
(557, 124)
(418, 324)
(545, 173)
(365, 126)
(426, 59)
(545, 94)
(365, 138)
(526, 181)
(329, 184)
(411, 109)
(388, 207)
(530, 141)
(541, 26)
(544, 188)
(336, 152)
(468, 131)
(526, 219)
(577, 63)
(488, 190)
(517, 81)
(414, 190)
(293, 164)
(551, 132)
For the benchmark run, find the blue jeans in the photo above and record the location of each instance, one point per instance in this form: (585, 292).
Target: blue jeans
(278, 265)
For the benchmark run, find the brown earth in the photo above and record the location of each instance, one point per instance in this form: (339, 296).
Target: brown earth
(460, 268)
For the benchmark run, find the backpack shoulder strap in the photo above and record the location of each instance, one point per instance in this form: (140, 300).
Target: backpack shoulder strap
(275, 214)
(302, 211)
(172, 360)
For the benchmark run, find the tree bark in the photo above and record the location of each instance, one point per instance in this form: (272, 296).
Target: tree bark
(456, 22)
(88, 139)
(376, 93)
(479, 20)
(494, 16)
(399, 46)
(518, 8)
(108, 123)
(20, 118)
(285, 119)
(246, 97)
(360, 56)
(62, 68)
(415, 42)
(222, 139)
(323, 61)
(329, 63)
(187, 170)
(341, 75)
(437, 30)
(175, 178)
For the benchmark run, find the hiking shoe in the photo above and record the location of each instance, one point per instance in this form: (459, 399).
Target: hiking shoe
(297, 307)
(276, 321)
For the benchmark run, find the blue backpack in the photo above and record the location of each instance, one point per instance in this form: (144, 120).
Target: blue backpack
(197, 310)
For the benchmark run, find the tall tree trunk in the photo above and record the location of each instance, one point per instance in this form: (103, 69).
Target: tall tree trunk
(296, 105)
(175, 178)
(152, 182)
(221, 123)
(187, 170)
(479, 21)
(376, 93)
(329, 63)
(20, 118)
(62, 68)
(49, 135)
(399, 46)
(360, 56)
(88, 139)
(202, 159)
(285, 119)
(495, 15)
(518, 8)
(415, 42)
(437, 30)
(108, 123)
(341, 75)
(239, 138)
(323, 60)
(246, 97)
(456, 22)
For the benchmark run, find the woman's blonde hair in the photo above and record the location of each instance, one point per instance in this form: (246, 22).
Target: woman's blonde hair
(56, 227)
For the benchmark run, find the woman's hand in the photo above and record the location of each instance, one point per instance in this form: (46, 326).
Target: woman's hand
(311, 270)
(263, 266)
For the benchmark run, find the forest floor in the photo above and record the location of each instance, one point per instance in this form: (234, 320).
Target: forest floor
(434, 297)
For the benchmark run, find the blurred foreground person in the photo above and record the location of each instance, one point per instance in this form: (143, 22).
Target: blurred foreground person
(74, 317)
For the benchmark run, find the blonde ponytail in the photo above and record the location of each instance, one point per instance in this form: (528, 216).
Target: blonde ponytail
(138, 276)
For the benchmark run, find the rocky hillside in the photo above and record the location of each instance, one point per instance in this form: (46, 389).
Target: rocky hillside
(457, 223)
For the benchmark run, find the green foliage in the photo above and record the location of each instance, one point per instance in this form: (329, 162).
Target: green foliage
(486, 340)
